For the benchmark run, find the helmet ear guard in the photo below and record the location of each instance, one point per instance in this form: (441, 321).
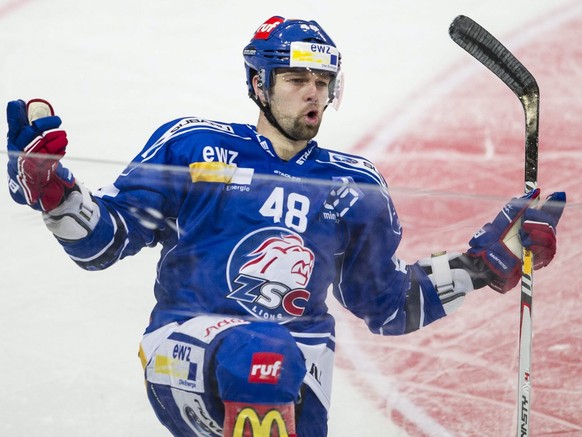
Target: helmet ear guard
(261, 75)
(260, 97)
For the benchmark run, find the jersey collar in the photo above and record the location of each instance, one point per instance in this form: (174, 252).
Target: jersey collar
(302, 157)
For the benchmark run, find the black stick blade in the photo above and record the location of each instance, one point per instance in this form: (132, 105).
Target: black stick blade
(484, 47)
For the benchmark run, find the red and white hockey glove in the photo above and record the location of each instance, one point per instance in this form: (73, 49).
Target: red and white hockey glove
(496, 248)
(538, 232)
(36, 144)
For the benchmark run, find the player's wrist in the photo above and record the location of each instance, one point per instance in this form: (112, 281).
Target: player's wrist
(450, 276)
(75, 217)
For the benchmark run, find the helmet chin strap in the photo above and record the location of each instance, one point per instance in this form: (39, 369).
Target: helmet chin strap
(271, 118)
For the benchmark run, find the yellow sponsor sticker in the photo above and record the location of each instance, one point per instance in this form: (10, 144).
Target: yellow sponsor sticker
(169, 366)
(216, 171)
(527, 261)
(211, 172)
(303, 56)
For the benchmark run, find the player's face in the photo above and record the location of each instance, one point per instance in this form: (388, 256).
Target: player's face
(298, 98)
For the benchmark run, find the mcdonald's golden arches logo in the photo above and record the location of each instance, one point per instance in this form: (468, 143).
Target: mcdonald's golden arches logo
(259, 428)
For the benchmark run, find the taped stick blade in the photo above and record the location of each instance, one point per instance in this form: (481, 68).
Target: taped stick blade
(484, 47)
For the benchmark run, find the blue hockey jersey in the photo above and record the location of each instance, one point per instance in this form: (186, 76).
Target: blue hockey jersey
(244, 233)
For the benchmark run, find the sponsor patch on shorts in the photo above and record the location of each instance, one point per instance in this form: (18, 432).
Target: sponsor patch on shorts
(266, 368)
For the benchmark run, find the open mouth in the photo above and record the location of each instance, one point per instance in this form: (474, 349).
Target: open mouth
(312, 117)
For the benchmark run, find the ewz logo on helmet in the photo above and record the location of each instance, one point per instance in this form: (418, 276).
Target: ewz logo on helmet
(310, 55)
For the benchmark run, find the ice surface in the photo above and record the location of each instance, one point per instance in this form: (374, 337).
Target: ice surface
(446, 134)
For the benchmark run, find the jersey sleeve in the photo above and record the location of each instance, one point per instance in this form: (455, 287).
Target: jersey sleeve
(139, 208)
(391, 296)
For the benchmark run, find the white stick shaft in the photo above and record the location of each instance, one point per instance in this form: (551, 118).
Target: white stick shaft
(525, 347)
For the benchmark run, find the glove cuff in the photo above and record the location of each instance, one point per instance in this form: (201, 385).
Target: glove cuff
(75, 217)
(451, 282)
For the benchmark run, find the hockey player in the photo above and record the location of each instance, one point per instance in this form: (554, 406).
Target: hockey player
(240, 339)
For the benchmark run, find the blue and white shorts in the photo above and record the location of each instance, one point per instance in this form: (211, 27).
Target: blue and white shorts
(180, 363)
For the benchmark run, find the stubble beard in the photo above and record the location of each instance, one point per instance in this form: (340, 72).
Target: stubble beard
(296, 127)
(300, 130)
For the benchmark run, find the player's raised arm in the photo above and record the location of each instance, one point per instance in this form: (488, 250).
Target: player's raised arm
(395, 298)
(36, 176)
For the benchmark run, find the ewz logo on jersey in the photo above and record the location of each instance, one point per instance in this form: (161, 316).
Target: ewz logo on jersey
(268, 271)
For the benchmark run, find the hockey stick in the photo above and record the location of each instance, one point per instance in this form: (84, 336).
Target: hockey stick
(490, 52)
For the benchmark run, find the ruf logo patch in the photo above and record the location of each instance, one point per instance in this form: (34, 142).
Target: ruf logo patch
(267, 27)
(266, 368)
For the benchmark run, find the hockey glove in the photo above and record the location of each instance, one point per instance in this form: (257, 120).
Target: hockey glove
(35, 146)
(495, 250)
(538, 233)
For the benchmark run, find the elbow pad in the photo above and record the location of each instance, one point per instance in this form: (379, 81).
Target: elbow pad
(75, 217)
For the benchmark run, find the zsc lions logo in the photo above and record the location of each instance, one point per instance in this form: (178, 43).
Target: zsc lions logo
(268, 271)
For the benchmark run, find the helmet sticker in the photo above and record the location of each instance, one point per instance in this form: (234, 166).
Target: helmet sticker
(267, 27)
(316, 56)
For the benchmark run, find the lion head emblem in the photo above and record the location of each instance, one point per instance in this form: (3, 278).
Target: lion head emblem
(268, 272)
